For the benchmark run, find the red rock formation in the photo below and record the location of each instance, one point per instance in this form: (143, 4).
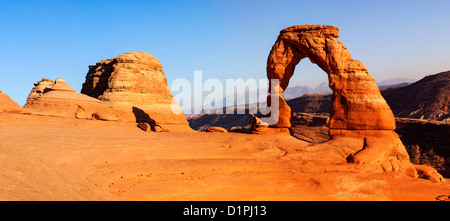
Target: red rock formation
(59, 99)
(354, 91)
(357, 108)
(134, 84)
(8, 105)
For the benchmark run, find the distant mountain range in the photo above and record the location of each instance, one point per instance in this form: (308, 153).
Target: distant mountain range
(298, 91)
(428, 98)
(395, 82)
(242, 97)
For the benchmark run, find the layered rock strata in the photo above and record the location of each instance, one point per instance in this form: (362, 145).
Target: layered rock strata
(40, 87)
(59, 99)
(134, 84)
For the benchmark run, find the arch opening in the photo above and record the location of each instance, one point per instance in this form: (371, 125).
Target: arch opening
(308, 78)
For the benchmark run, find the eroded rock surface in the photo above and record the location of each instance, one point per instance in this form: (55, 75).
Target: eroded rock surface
(40, 87)
(134, 84)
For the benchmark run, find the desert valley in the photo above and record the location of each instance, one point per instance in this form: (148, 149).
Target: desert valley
(119, 138)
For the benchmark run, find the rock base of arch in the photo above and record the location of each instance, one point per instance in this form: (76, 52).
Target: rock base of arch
(382, 150)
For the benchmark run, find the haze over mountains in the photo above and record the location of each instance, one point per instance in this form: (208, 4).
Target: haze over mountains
(298, 91)
(395, 82)
(428, 98)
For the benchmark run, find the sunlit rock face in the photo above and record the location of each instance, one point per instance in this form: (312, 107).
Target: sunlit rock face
(59, 99)
(356, 102)
(134, 84)
(358, 111)
(8, 105)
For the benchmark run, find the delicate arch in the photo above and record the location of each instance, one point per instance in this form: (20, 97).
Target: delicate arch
(356, 102)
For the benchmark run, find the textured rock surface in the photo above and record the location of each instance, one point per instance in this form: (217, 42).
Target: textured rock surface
(427, 142)
(8, 105)
(134, 84)
(40, 87)
(429, 173)
(150, 127)
(62, 100)
(311, 127)
(145, 126)
(383, 148)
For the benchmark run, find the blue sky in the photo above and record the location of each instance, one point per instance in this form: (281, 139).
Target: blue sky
(223, 39)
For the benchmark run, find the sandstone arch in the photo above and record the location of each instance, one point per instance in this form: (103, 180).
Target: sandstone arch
(356, 101)
(357, 108)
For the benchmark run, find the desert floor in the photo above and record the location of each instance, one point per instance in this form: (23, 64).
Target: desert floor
(52, 158)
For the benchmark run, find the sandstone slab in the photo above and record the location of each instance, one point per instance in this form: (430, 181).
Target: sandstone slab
(8, 105)
(59, 99)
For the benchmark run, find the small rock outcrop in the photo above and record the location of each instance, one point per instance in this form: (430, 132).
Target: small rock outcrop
(216, 129)
(150, 127)
(59, 99)
(429, 173)
(134, 84)
(239, 129)
(257, 126)
(145, 126)
(8, 105)
(443, 198)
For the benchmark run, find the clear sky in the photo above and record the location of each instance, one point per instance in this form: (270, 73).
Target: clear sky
(223, 39)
